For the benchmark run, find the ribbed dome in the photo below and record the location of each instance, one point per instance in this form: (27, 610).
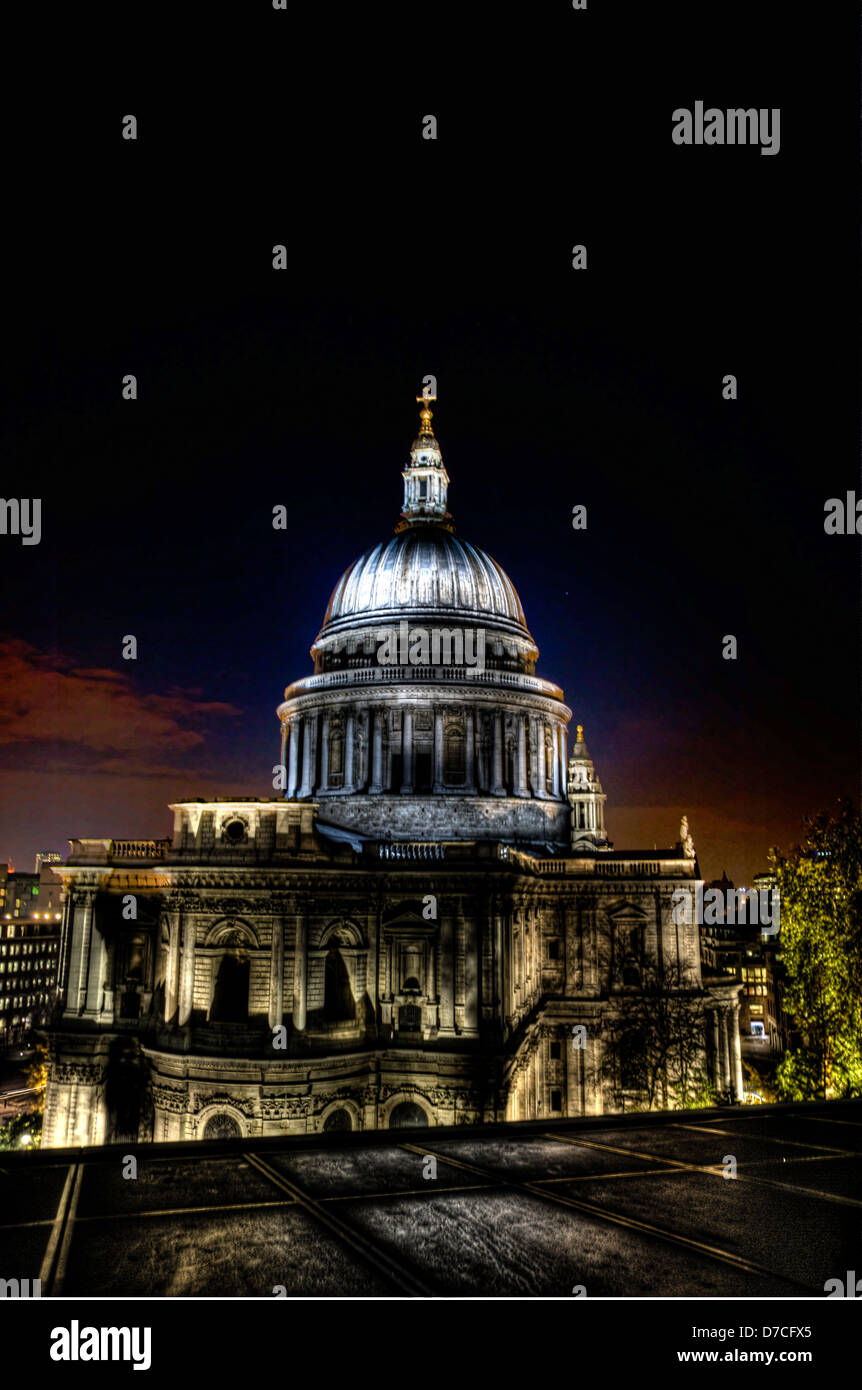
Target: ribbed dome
(426, 573)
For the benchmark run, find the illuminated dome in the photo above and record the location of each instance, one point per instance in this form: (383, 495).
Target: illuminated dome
(425, 572)
(424, 719)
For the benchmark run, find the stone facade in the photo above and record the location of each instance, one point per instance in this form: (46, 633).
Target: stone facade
(324, 984)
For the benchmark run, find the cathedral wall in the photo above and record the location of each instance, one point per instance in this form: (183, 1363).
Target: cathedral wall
(296, 1097)
(444, 818)
(516, 952)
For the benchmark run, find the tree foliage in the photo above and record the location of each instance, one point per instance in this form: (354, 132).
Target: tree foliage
(37, 1077)
(820, 887)
(15, 1130)
(660, 1047)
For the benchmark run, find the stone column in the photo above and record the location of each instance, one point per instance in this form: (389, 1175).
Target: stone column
(446, 976)
(377, 753)
(716, 1051)
(507, 963)
(725, 1052)
(532, 1113)
(305, 786)
(438, 750)
(97, 974)
(300, 966)
(564, 767)
(284, 727)
(532, 736)
(172, 977)
(498, 968)
(736, 1083)
(521, 773)
(573, 1074)
(594, 1069)
(349, 771)
(276, 972)
(542, 773)
(187, 977)
(312, 771)
(431, 973)
(483, 781)
(555, 763)
(472, 976)
(295, 727)
(407, 750)
(324, 754)
(65, 943)
(80, 955)
(497, 788)
(470, 752)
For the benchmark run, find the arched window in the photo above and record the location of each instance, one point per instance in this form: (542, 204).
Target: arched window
(339, 1119)
(221, 1126)
(336, 757)
(454, 757)
(408, 1115)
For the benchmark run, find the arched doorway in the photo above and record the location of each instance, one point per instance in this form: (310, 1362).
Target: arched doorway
(338, 1001)
(132, 971)
(339, 1119)
(126, 1083)
(410, 1018)
(230, 996)
(408, 1115)
(221, 1126)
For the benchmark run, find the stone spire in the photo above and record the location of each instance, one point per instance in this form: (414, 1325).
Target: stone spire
(586, 799)
(425, 478)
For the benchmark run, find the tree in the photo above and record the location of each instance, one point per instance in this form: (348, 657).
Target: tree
(661, 1045)
(37, 1078)
(820, 896)
(23, 1132)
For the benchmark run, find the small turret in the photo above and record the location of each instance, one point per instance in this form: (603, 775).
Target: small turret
(586, 798)
(425, 478)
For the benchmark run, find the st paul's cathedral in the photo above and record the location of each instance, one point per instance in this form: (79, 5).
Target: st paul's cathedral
(426, 924)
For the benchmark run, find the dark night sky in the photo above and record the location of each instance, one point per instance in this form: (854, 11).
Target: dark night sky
(556, 388)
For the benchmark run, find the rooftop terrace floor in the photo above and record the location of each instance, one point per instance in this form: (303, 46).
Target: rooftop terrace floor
(619, 1206)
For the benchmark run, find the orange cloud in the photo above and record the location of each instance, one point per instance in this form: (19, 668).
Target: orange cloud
(45, 699)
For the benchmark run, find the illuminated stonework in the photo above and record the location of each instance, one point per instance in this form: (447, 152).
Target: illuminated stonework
(430, 926)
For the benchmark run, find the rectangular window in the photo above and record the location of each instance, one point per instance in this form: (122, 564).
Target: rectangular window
(553, 950)
(555, 1052)
(556, 1100)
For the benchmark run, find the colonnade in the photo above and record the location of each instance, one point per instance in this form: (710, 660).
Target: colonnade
(306, 744)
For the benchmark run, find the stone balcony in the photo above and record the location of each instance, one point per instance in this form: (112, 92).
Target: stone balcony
(109, 851)
(426, 675)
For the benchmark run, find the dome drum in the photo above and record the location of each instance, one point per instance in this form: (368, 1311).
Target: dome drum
(453, 746)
